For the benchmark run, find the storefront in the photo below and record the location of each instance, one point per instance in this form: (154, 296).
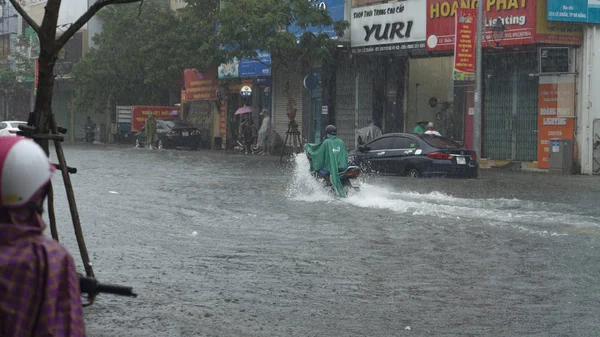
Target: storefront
(307, 90)
(512, 73)
(371, 84)
(252, 74)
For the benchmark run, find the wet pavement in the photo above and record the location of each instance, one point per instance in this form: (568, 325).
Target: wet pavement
(233, 245)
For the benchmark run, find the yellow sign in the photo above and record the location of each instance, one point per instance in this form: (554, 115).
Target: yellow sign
(556, 32)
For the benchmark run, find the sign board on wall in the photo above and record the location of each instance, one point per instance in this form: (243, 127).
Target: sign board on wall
(200, 86)
(388, 27)
(553, 32)
(556, 112)
(584, 11)
(247, 67)
(464, 46)
(519, 17)
(139, 115)
(335, 9)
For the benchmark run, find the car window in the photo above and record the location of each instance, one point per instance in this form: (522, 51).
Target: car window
(176, 124)
(440, 142)
(382, 143)
(3, 126)
(404, 143)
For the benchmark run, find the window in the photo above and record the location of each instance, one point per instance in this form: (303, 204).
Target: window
(176, 123)
(382, 143)
(440, 142)
(3, 126)
(404, 143)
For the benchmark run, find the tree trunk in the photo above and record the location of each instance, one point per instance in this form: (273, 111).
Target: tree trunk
(42, 110)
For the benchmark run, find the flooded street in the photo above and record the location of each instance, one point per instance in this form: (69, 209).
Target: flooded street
(229, 245)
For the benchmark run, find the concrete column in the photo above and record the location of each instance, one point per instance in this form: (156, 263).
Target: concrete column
(588, 103)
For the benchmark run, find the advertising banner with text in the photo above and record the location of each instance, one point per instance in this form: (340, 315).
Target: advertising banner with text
(464, 46)
(200, 86)
(139, 115)
(556, 113)
(518, 16)
(388, 27)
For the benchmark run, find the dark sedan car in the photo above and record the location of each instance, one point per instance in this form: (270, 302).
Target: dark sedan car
(416, 155)
(171, 134)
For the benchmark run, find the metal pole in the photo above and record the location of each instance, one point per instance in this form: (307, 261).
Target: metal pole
(478, 81)
(356, 88)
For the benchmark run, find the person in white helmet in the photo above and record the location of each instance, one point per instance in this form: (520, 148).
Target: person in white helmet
(431, 130)
(39, 285)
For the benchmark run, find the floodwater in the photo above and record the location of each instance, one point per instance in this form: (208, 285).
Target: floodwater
(222, 244)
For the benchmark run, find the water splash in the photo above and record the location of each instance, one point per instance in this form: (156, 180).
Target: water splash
(513, 213)
(304, 187)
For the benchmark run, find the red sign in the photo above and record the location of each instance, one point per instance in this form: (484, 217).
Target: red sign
(556, 111)
(200, 86)
(139, 114)
(518, 16)
(464, 46)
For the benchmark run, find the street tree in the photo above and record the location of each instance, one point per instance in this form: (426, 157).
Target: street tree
(248, 26)
(50, 46)
(133, 54)
(142, 55)
(14, 69)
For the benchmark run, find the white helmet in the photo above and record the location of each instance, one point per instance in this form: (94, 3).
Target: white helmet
(25, 170)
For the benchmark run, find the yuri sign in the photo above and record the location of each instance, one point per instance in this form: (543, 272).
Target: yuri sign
(388, 27)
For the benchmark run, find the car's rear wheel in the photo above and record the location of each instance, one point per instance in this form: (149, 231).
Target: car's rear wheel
(413, 173)
(160, 145)
(137, 143)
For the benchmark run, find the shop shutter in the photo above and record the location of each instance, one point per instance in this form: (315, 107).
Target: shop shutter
(510, 115)
(280, 104)
(345, 99)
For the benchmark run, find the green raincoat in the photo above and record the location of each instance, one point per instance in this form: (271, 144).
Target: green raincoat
(150, 127)
(331, 153)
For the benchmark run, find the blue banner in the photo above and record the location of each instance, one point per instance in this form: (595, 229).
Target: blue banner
(584, 11)
(335, 8)
(259, 67)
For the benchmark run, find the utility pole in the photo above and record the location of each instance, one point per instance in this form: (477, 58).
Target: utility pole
(478, 80)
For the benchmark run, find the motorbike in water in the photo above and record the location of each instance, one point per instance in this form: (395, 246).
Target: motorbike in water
(348, 177)
(89, 134)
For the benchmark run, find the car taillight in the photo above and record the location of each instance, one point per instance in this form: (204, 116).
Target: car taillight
(474, 157)
(171, 133)
(439, 155)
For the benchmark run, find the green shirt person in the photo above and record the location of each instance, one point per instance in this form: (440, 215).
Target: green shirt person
(420, 128)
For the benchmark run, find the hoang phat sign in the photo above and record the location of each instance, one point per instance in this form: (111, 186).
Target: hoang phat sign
(388, 27)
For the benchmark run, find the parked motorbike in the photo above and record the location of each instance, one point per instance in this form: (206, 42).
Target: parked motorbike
(89, 134)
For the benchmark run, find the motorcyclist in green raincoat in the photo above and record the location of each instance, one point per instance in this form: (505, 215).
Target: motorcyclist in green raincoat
(329, 156)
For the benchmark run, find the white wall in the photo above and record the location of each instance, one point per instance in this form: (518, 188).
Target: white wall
(434, 76)
(588, 100)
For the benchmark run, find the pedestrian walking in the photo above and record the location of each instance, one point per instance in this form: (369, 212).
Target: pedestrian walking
(151, 135)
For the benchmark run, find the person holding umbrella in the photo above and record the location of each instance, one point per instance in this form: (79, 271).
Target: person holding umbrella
(245, 132)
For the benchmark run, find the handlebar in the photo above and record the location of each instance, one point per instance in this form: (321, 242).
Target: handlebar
(92, 287)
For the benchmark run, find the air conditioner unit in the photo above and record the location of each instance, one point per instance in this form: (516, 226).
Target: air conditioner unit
(555, 60)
